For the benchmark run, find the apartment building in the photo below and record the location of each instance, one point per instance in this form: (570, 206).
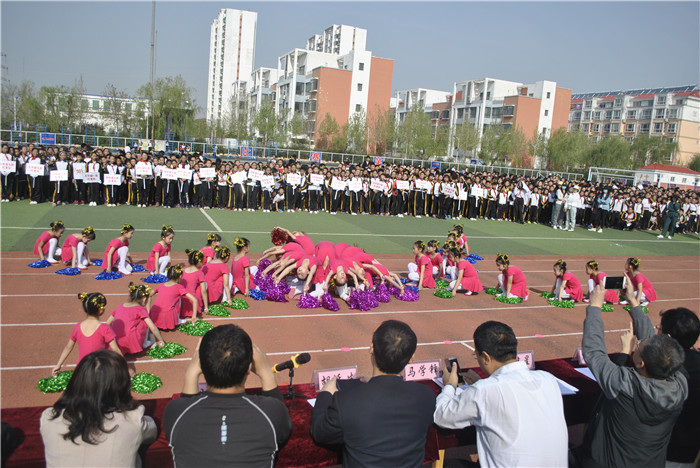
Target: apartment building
(430, 100)
(231, 61)
(672, 113)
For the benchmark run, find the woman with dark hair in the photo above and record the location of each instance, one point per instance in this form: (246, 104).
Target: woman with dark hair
(96, 422)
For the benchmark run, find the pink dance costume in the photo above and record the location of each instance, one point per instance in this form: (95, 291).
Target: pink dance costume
(470, 277)
(165, 311)
(238, 272)
(519, 286)
(129, 328)
(161, 251)
(117, 244)
(192, 282)
(44, 237)
(100, 339)
(213, 274)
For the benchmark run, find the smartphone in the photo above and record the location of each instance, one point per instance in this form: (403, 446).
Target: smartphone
(454, 362)
(615, 282)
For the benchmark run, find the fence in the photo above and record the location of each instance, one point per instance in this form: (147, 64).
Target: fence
(259, 153)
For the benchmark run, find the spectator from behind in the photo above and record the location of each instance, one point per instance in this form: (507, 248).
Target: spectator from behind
(518, 413)
(96, 422)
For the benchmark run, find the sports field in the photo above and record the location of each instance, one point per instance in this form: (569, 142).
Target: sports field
(39, 307)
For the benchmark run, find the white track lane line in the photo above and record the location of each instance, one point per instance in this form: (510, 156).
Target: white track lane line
(206, 215)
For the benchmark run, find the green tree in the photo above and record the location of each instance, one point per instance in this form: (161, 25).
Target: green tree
(327, 131)
(647, 149)
(173, 105)
(357, 133)
(269, 124)
(500, 146)
(466, 139)
(384, 131)
(30, 110)
(566, 149)
(115, 111)
(297, 131)
(613, 152)
(415, 134)
(694, 163)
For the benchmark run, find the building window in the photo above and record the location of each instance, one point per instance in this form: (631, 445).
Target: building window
(496, 112)
(679, 102)
(546, 112)
(445, 114)
(661, 100)
(96, 105)
(608, 115)
(361, 66)
(359, 86)
(472, 112)
(460, 112)
(658, 127)
(646, 114)
(614, 128)
(644, 128)
(589, 103)
(632, 114)
(673, 113)
(618, 102)
(586, 127)
(606, 128)
(358, 108)
(660, 113)
(596, 127)
(577, 115)
(617, 114)
(671, 127)
(629, 127)
(596, 115)
(586, 115)
(549, 95)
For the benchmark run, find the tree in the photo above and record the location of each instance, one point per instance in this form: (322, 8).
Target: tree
(503, 145)
(647, 149)
(516, 145)
(466, 138)
(173, 105)
(268, 123)
(384, 131)
(565, 149)
(115, 111)
(415, 134)
(694, 163)
(326, 132)
(357, 133)
(297, 131)
(613, 152)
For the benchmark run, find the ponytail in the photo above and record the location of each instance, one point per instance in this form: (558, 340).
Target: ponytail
(57, 226)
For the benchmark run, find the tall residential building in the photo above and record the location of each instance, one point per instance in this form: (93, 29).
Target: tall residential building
(425, 98)
(231, 60)
(672, 113)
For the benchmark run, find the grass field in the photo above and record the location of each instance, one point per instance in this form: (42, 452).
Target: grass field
(22, 224)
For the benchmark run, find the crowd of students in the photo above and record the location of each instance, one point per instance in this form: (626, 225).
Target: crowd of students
(191, 180)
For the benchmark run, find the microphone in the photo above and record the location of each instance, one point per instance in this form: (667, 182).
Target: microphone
(296, 361)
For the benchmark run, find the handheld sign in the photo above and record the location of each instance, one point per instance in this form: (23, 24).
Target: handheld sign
(321, 377)
(463, 195)
(267, 181)
(294, 179)
(183, 173)
(58, 176)
(8, 166)
(238, 177)
(355, 185)
(78, 170)
(423, 184)
(113, 179)
(207, 172)
(421, 370)
(377, 184)
(34, 170)
(528, 357)
(255, 174)
(143, 169)
(448, 190)
(402, 185)
(578, 356)
(337, 184)
(168, 174)
(91, 178)
(316, 179)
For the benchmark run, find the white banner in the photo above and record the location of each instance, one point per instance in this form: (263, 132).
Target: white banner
(267, 180)
(183, 173)
(78, 170)
(8, 166)
(34, 170)
(402, 184)
(463, 195)
(255, 174)
(448, 190)
(113, 179)
(168, 174)
(91, 178)
(316, 179)
(294, 179)
(58, 176)
(207, 172)
(143, 169)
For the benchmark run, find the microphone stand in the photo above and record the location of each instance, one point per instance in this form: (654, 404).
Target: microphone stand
(290, 392)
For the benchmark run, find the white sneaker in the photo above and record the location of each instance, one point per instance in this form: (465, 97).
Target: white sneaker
(32, 203)
(400, 216)
(624, 302)
(419, 216)
(82, 267)
(51, 260)
(670, 237)
(592, 229)
(660, 236)
(571, 230)
(555, 227)
(644, 303)
(600, 229)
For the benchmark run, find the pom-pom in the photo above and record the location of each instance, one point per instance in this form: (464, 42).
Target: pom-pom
(404, 280)
(279, 237)
(236, 304)
(143, 382)
(155, 278)
(563, 304)
(197, 329)
(475, 257)
(409, 295)
(264, 263)
(508, 300)
(219, 311)
(548, 295)
(644, 309)
(40, 264)
(607, 308)
(442, 284)
(381, 292)
(493, 291)
(265, 283)
(471, 260)
(97, 262)
(328, 302)
(108, 275)
(68, 271)
(257, 294)
(169, 350)
(411, 288)
(56, 383)
(276, 294)
(136, 268)
(307, 301)
(363, 300)
(443, 293)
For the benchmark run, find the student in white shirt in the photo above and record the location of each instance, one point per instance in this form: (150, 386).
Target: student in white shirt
(518, 413)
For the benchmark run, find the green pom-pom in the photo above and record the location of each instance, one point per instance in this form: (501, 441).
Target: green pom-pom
(144, 382)
(169, 350)
(443, 293)
(219, 311)
(547, 295)
(198, 329)
(56, 383)
(607, 308)
(442, 284)
(236, 304)
(563, 304)
(644, 309)
(508, 300)
(493, 291)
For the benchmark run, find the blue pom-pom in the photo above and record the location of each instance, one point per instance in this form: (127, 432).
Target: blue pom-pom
(476, 257)
(40, 264)
(155, 279)
(108, 275)
(69, 271)
(403, 280)
(412, 288)
(448, 276)
(136, 268)
(97, 262)
(257, 294)
(471, 260)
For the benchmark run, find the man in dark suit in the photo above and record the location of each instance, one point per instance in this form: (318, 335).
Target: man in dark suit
(382, 422)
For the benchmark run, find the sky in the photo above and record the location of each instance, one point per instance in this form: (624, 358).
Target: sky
(583, 46)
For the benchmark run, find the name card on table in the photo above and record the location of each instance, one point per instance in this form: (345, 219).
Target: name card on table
(402, 185)
(578, 356)
(58, 176)
(294, 179)
(528, 357)
(183, 173)
(143, 169)
(316, 179)
(8, 166)
(113, 179)
(321, 377)
(422, 370)
(92, 178)
(207, 172)
(267, 181)
(168, 174)
(34, 170)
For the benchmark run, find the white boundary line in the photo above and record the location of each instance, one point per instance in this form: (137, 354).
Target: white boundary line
(206, 215)
(330, 350)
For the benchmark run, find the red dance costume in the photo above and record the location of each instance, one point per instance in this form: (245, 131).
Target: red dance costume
(213, 274)
(161, 251)
(470, 277)
(192, 282)
(44, 237)
(117, 244)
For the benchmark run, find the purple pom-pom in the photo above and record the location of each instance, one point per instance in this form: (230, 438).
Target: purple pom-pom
(382, 293)
(264, 264)
(307, 301)
(155, 279)
(257, 294)
(411, 288)
(363, 300)
(108, 275)
(40, 264)
(328, 302)
(393, 290)
(68, 271)
(277, 293)
(136, 268)
(97, 262)
(409, 295)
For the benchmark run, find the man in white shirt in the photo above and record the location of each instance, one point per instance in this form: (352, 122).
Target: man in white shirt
(518, 413)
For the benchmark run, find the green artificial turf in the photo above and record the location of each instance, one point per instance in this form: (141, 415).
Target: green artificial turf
(22, 223)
